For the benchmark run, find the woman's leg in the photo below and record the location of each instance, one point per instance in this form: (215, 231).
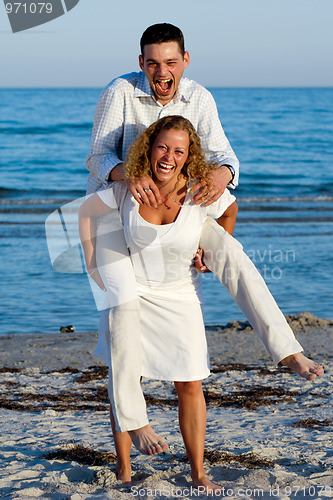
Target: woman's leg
(123, 443)
(192, 422)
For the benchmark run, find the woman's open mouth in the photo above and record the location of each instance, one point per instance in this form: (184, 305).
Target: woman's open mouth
(165, 168)
(163, 87)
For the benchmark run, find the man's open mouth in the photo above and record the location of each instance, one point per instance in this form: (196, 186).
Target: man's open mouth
(163, 86)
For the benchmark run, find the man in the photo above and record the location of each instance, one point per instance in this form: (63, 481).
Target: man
(132, 102)
(126, 107)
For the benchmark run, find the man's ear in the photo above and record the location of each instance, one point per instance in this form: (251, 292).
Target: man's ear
(186, 59)
(141, 62)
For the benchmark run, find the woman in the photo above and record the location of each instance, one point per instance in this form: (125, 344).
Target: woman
(162, 243)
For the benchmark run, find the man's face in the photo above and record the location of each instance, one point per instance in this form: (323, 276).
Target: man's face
(163, 66)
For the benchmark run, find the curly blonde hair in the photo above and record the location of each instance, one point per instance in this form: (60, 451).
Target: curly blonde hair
(137, 162)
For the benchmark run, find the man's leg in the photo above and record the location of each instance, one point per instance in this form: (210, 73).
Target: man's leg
(225, 257)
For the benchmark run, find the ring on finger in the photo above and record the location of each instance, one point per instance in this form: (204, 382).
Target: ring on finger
(146, 190)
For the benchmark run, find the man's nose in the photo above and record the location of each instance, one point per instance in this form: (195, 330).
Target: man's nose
(162, 70)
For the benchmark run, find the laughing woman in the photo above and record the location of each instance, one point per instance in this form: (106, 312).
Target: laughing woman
(162, 243)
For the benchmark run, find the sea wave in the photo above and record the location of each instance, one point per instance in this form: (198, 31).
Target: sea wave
(284, 199)
(18, 197)
(47, 130)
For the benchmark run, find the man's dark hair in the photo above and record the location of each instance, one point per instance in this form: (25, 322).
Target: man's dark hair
(161, 33)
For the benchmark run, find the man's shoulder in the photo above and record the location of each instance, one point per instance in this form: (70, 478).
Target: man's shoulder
(127, 82)
(192, 88)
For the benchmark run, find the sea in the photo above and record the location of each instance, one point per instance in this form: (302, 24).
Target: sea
(283, 138)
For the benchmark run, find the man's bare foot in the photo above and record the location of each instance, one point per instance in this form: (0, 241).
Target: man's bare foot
(302, 365)
(204, 485)
(147, 441)
(123, 473)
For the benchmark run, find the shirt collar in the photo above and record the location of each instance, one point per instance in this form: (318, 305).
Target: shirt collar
(143, 89)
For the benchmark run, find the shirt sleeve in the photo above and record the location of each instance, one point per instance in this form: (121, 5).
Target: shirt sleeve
(218, 208)
(213, 139)
(106, 139)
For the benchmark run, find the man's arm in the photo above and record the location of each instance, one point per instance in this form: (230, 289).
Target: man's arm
(217, 150)
(106, 137)
(103, 162)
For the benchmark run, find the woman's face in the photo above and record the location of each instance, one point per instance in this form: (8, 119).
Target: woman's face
(169, 154)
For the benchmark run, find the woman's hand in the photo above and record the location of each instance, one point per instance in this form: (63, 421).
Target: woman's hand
(94, 274)
(199, 263)
(145, 191)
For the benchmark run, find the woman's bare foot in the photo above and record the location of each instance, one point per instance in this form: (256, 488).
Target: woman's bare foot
(146, 441)
(123, 473)
(204, 485)
(302, 365)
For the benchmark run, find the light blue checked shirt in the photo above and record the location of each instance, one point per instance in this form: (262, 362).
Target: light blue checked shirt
(127, 106)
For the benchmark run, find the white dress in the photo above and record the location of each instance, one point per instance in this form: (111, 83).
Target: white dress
(172, 329)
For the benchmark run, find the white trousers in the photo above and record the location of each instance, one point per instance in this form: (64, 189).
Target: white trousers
(119, 331)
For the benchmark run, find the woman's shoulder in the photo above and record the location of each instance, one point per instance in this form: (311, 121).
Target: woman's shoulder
(217, 208)
(114, 192)
(119, 190)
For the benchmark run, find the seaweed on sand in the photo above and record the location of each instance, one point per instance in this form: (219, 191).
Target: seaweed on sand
(251, 397)
(309, 423)
(248, 460)
(82, 455)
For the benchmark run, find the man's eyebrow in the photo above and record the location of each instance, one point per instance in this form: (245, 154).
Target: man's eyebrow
(172, 59)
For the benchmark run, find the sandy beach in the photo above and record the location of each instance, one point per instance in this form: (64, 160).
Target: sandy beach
(269, 432)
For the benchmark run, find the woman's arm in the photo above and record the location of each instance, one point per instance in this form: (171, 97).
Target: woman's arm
(227, 221)
(228, 218)
(89, 210)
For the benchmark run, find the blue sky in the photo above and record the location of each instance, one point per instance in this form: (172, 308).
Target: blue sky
(231, 43)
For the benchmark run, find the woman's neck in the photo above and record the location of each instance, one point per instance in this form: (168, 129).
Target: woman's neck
(172, 186)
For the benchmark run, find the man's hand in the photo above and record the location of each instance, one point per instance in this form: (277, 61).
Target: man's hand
(220, 179)
(145, 191)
